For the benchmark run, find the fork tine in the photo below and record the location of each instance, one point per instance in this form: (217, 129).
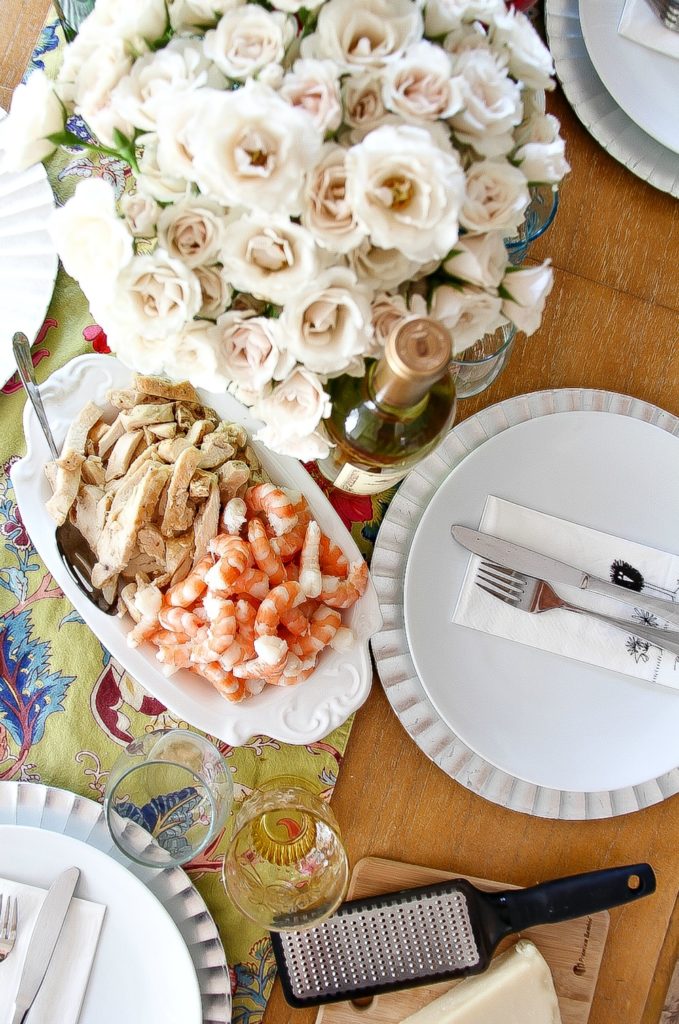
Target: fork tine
(507, 597)
(506, 586)
(13, 923)
(4, 929)
(502, 570)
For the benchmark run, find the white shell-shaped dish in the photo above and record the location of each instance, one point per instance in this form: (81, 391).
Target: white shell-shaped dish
(298, 714)
(596, 108)
(57, 810)
(28, 260)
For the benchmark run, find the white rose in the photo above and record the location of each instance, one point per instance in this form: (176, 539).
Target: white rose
(144, 355)
(35, 112)
(444, 15)
(156, 295)
(186, 15)
(250, 350)
(387, 312)
(270, 257)
(492, 104)
(90, 35)
(419, 85)
(530, 62)
(292, 6)
(251, 148)
(541, 150)
(138, 24)
(192, 230)
(313, 86)
(327, 324)
(406, 191)
(468, 313)
(93, 243)
(153, 182)
(93, 90)
(292, 414)
(327, 213)
(177, 118)
(496, 198)
(366, 35)
(465, 38)
(141, 214)
(249, 38)
(378, 268)
(215, 290)
(479, 259)
(178, 67)
(526, 290)
(195, 355)
(362, 100)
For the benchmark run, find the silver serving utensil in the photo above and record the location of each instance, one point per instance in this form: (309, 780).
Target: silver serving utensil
(8, 925)
(43, 941)
(75, 552)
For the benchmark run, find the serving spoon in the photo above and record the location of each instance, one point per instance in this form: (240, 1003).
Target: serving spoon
(75, 552)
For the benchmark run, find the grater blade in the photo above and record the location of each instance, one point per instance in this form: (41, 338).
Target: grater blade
(375, 944)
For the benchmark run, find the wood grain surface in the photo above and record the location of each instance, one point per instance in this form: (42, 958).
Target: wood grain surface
(612, 321)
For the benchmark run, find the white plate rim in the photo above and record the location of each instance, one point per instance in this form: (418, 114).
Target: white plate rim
(394, 664)
(58, 810)
(298, 715)
(603, 118)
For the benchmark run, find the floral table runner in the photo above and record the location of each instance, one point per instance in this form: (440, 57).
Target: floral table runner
(66, 706)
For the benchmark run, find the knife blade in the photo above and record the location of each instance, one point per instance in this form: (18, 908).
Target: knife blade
(532, 563)
(43, 941)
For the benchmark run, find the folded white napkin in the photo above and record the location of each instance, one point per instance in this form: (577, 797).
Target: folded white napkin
(61, 993)
(641, 24)
(563, 632)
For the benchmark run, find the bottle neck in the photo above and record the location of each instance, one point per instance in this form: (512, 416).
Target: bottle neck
(388, 389)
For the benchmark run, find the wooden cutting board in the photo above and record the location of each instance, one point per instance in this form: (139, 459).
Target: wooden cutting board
(572, 949)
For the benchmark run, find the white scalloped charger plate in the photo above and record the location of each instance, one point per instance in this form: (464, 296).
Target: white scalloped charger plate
(298, 714)
(523, 728)
(601, 115)
(74, 830)
(28, 260)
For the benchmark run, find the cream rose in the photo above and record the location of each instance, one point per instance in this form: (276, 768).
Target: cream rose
(248, 39)
(529, 59)
(187, 15)
(313, 86)
(366, 35)
(250, 350)
(444, 15)
(526, 292)
(177, 119)
(496, 198)
(251, 148)
(93, 89)
(468, 313)
(215, 290)
(541, 152)
(292, 414)
(192, 230)
(327, 324)
(381, 269)
(137, 24)
(270, 257)
(195, 355)
(327, 214)
(93, 243)
(406, 191)
(156, 295)
(387, 312)
(35, 113)
(144, 355)
(90, 35)
(479, 259)
(465, 38)
(362, 100)
(292, 6)
(141, 214)
(153, 182)
(419, 85)
(491, 104)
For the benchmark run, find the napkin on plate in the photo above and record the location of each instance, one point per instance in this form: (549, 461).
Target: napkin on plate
(641, 24)
(562, 632)
(61, 993)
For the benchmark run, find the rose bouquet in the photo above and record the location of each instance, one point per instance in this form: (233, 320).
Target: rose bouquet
(304, 178)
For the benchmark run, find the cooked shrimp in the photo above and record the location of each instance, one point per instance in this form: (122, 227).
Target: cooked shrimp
(292, 571)
(168, 638)
(179, 619)
(309, 568)
(174, 658)
(339, 593)
(184, 593)
(322, 629)
(272, 654)
(233, 516)
(222, 615)
(253, 583)
(224, 681)
(235, 556)
(295, 620)
(295, 672)
(343, 639)
(265, 557)
(245, 619)
(281, 599)
(332, 559)
(143, 630)
(275, 504)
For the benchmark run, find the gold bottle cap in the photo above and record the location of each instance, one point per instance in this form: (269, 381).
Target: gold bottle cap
(419, 349)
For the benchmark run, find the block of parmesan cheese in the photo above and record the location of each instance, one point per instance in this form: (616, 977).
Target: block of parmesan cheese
(517, 988)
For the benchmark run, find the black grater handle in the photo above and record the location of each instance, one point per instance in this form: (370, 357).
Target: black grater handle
(565, 898)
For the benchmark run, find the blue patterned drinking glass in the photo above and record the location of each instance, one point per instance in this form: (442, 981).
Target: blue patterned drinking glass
(540, 213)
(167, 797)
(476, 368)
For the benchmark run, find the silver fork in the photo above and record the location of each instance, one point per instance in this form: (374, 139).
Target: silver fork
(8, 926)
(534, 595)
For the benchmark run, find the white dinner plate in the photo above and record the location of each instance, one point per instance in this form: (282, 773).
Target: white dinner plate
(527, 729)
(643, 82)
(28, 259)
(142, 970)
(293, 714)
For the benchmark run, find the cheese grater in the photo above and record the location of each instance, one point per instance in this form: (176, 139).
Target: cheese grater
(433, 933)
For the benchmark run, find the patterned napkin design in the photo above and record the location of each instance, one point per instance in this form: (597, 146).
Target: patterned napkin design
(562, 632)
(641, 24)
(61, 993)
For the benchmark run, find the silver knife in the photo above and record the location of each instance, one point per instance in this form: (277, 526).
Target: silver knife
(43, 941)
(513, 556)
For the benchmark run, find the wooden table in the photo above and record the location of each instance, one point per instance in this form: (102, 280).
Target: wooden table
(612, 321)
